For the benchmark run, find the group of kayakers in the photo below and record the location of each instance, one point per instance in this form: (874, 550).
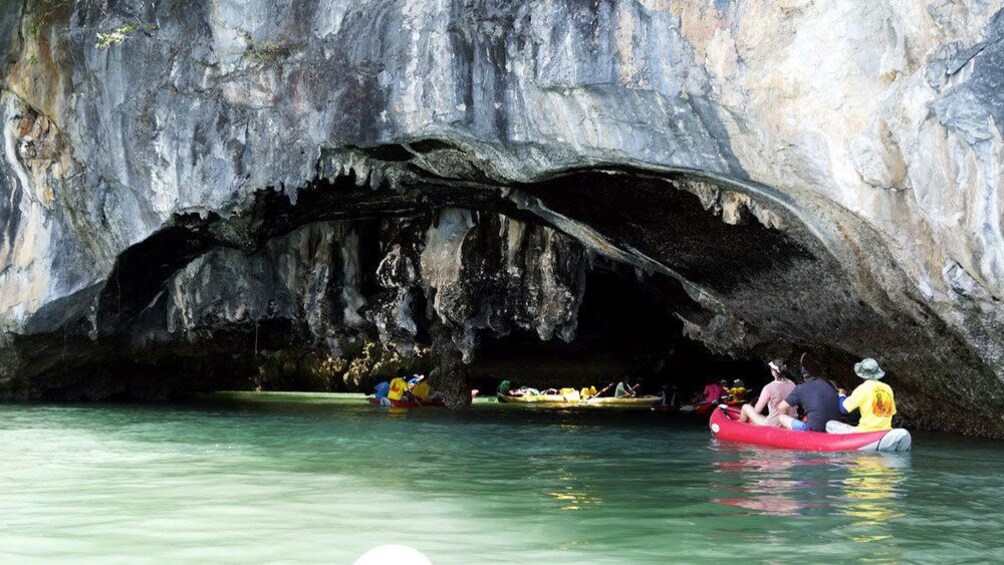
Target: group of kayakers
(822, 403)
(506, 388)
(406, 389)
(622, 389)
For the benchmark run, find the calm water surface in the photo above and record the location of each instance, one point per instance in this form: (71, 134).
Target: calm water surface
(306, 478)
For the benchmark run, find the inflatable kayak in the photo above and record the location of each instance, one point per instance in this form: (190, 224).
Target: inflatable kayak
(403, 403)
(386, 402)
(725, 426)
(559, 401)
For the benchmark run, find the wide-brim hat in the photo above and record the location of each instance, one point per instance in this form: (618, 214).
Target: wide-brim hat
(869, 369)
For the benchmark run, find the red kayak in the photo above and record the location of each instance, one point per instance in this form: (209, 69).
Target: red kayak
(725, 426)
(411, 403)
(404, 403)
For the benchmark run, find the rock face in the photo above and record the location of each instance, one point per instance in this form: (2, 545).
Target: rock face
(822, 175)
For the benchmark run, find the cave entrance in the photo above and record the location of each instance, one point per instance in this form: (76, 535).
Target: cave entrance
(626, 326)
(295, 276)
(537, 283)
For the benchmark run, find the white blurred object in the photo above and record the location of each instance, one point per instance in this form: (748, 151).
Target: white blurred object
(393, 554)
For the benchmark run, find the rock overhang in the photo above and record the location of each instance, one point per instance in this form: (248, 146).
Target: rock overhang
(754, 272)
(197, 120)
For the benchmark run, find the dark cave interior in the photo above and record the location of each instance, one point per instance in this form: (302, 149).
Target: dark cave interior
(627, 322)
(626, 327)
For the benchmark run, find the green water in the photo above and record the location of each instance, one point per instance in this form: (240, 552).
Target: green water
(306, 479)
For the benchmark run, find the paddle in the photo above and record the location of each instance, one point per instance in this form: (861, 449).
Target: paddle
(814, 368)
(803, 361)
(730, 410)
(810, 365)
(597, 395)
(630, 390)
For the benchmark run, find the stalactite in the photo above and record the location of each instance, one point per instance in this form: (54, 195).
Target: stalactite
(450, 373)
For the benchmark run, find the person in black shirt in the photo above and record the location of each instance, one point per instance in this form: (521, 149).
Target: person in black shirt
(819, 402)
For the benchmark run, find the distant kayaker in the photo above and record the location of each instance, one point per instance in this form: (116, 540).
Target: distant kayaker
(667, 396)
(771, 397)
(738, 391)
(624, 389)
(874, 399)
(381, 390)
(817, 399)
(713, 393)
(505, 388)
(421, 389)
(398, 388)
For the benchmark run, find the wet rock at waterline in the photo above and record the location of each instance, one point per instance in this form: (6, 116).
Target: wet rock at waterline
(224, 181)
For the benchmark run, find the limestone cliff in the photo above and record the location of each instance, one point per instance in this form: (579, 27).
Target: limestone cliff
(797, 173)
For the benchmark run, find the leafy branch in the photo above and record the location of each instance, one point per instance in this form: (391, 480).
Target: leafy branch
(120, 34)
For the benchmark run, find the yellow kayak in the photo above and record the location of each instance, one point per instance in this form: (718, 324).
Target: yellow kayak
(562, 401)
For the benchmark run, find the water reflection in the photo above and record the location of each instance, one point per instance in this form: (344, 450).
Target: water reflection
(571, 492)
(871, 492)
(862, 486)
(397, 413)
(761, 481)
(575, 500)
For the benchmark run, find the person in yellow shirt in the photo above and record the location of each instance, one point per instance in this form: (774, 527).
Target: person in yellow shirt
(422, 391)
(398, 387)
(738, 391)
(874, 399)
